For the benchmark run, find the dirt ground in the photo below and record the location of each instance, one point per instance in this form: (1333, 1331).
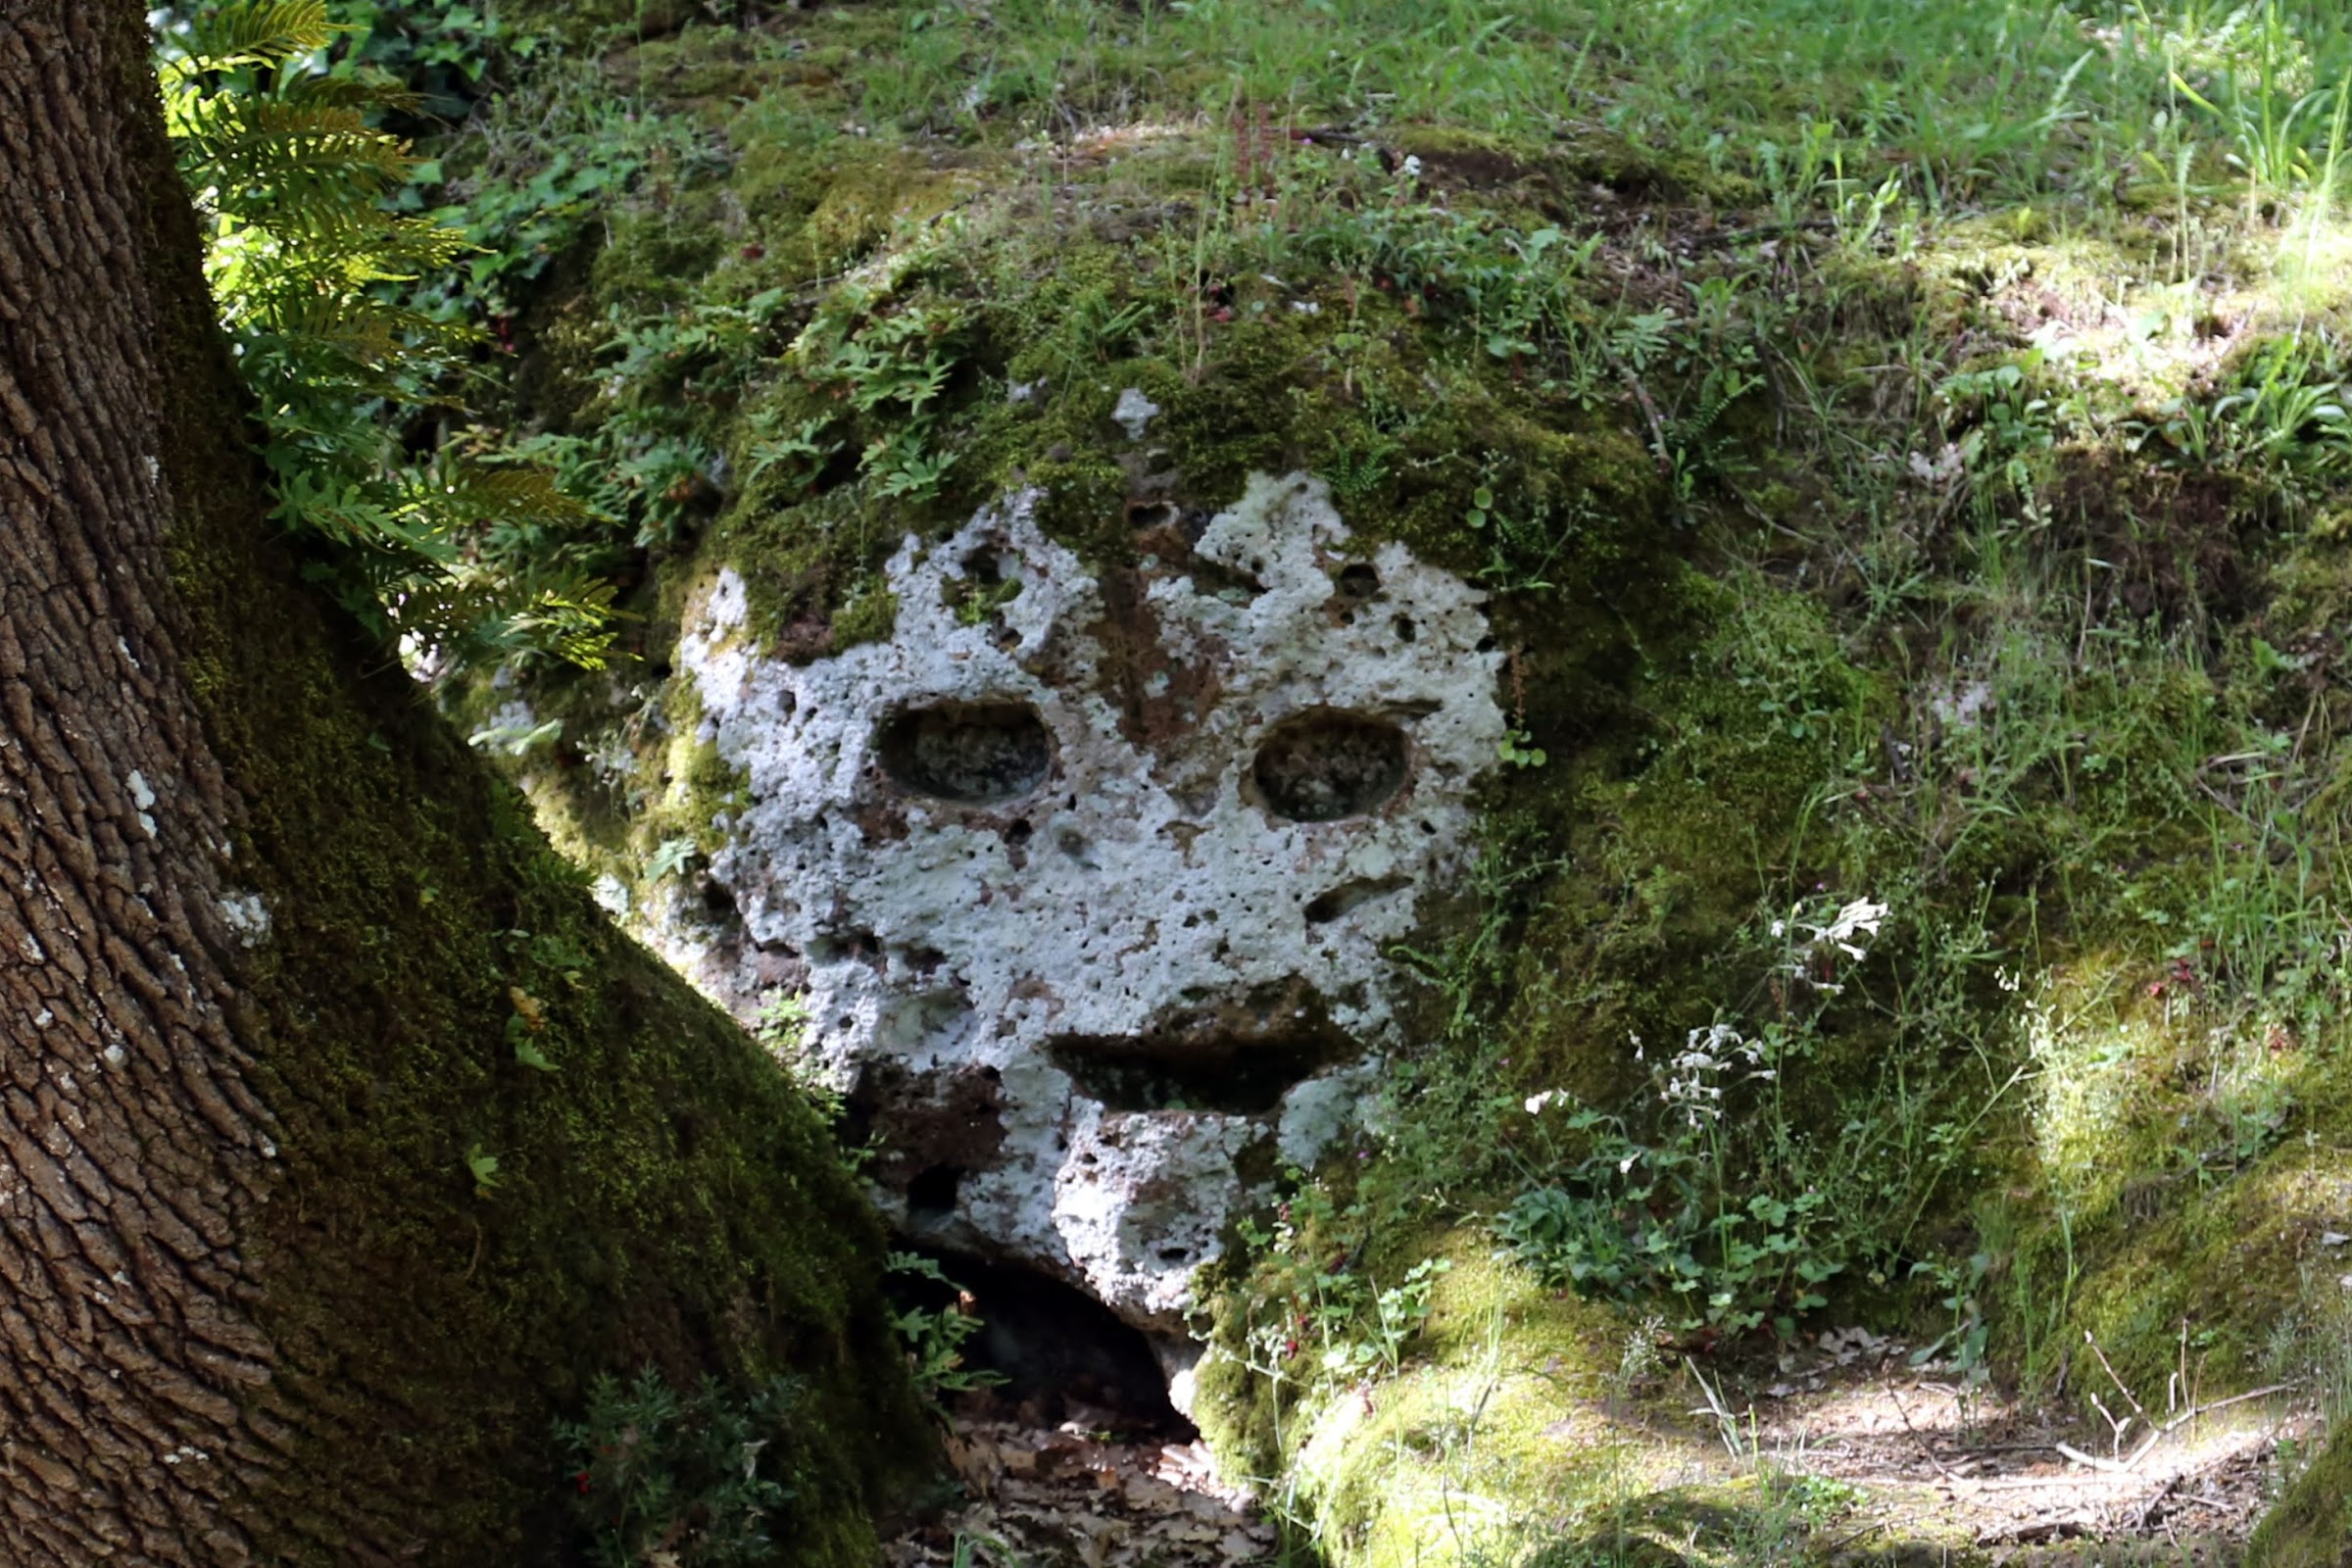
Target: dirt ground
(2176, 1478)
(1930, 1470)
(1072, 1494)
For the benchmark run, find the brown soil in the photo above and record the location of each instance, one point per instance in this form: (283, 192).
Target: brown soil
(1969, 1470)
(1077, 1495)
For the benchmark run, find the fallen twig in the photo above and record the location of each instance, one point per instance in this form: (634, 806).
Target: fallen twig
(1649, 407)
(1925, 1447)
(2112, 1378)
(2148, 1442)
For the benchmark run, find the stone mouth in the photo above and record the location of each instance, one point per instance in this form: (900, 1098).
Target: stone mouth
(1237, 1072)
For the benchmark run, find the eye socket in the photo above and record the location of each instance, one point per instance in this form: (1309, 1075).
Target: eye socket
(1322, 766)
(974, 754)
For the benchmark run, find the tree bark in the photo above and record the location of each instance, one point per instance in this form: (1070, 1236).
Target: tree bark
(264, 928)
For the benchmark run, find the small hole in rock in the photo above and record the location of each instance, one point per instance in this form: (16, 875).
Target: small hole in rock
(1018, 833)
(1406, 631)
(1175, 1254)
(970, 753)
(931, 1196)
(1324, 764)
(1349, 896)
(1357, 580)
(718, 900)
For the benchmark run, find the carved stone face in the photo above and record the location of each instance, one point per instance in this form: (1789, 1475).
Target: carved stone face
(1088, 878)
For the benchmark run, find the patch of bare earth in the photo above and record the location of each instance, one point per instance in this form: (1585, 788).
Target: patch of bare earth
(2171, 1479)
(1075, 1497)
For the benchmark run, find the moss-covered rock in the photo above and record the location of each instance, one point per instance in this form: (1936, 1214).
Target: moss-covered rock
(2311, 1527)
(1845, 551)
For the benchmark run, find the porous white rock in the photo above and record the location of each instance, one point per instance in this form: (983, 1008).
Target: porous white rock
(1040, 866)
(1134, 412)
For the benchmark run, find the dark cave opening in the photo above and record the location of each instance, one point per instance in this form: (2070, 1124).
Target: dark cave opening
(1061, 1354)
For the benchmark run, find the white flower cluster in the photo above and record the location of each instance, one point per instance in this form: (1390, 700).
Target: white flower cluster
(1694, 1085)
(1846, 934)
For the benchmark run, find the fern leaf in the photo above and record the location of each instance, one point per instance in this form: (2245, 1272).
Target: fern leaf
(296, 155)
(251, 33)
(460, 493)
(371, 91)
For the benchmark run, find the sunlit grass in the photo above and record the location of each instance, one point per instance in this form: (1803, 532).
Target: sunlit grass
(1968, 105)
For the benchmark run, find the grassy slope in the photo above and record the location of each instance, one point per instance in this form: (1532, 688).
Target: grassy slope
(1902, 443)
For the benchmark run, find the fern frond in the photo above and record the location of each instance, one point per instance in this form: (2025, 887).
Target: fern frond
(571, 617)
(256, 33)
(356, 335)
(464, 494)
(338, 248)
(356, 514)
(371, 91)
(300, 155)
(462, 556)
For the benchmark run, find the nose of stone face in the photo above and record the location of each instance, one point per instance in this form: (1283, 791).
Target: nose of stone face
(1089, 875)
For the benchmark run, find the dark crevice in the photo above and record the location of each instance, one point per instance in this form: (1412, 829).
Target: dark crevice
(1238, 1074)
(1349, 896)
(932, 1194)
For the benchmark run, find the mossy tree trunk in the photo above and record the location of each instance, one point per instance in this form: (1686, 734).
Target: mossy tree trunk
(267, 932)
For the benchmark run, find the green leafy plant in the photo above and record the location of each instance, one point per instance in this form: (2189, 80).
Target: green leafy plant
(1741, 1228)
(1518, 748)
(670, 857)
(935, 1336)
(1334, 1313)
(1657, 1221)
(701, 1479)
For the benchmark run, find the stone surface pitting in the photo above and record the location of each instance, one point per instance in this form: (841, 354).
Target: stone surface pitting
(959, 893)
